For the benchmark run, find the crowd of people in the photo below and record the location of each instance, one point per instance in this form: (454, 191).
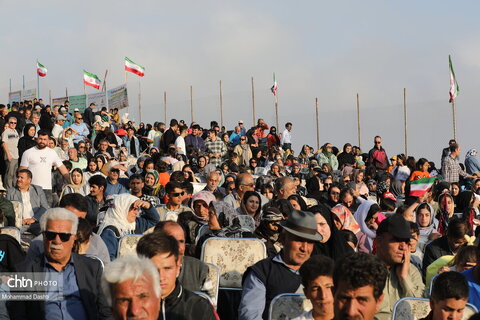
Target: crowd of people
(339, 226)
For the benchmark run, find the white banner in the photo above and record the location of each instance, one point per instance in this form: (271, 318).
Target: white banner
(100, 100)
(29, 94)
(117, 97)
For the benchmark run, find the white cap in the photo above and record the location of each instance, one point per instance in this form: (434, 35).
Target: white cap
(240, 121)
(76, 110)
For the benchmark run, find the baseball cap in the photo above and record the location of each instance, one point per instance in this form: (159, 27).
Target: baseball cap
(76, 110)
(60, 117)
(397, 226)
(240, 121)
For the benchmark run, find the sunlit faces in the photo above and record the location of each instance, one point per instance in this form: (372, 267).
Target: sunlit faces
(391, 249)
(77, 177)
(57, 250)
(252, 204)
(322, 227)
(320, 292)
(23, 180)
(296, 250)
(448, 309)
(132, 213)
(424, 217)
(200, 208)
(355, 304)
(150, 180)
(169, 268)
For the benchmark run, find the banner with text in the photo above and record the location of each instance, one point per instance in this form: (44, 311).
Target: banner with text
(118, 98)
(29, 94)
(77, 102)
(59, 101)
(14, 96)
(100, 100)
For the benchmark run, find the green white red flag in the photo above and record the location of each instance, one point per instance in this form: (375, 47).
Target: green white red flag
(132, 67)
(41, 69)
(420, 186)
(454, 88)
(274, 88)
(91, 80)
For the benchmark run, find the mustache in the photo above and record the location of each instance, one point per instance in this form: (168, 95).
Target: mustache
(56, 246)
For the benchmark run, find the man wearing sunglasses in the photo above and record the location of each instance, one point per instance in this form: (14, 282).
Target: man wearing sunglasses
(377, 156)
(10, 139)
(83, 296)
(80, 127)
(175, 195)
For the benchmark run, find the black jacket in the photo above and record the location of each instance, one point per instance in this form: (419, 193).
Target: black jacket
(88, 272)
(434, 250)
(182, 304)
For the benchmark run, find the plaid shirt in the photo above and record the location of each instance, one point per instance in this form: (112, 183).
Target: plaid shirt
(217, 146)
(451, 170)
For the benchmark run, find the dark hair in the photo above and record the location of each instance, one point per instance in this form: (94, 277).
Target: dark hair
(453, 147)
(387, 204)
(414, 228)
(173, 123)
(249, 194)
(28, 172)
(314, 267)
(450, 285)
(457, 228)
(98, 180)
(75, 200)
(359, 270)
(177, 176)
(188, 187)
(171, 185)
(84, 232)
(137, 177)
(465, 254)
(349, 236)
(42, 132)
(157, 243)
(300, 201)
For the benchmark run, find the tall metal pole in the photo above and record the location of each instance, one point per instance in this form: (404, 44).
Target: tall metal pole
(405, 119)
(253, 103)
(140, 99)
(66, 92)
(221, 105)
(50, 97)
(191, 101)
(165, 105)
(454, 120)
(276, 111)
(10, 85)
(318, 128)
(358, 122)
(23, 78)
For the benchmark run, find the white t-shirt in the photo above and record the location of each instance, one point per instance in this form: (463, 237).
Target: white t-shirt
(155, 136)
(180, 143)
(27, 206)
(10, 137)
(403, 173)
(40, 162)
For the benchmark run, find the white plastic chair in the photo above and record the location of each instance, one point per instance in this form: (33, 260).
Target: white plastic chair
(288, 306)
(128, 244)
(12, 231)
(92, 256)
(410, 308)
(18, 208)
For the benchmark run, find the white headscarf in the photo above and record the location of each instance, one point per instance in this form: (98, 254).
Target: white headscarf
(360, 216)
(117, 213)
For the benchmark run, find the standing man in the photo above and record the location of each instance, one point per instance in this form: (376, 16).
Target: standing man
(131, 142)
(170, 135)
(89, 116)
(10, 139)
(216, 148)
(286, 141)
(80, 127)
(195, 140)
(58, 127)
(155, 135)
(132, 287)
(39, 160)
(279, 274)
(377, 156)
(243, 130)
(451, 170)
(358, 281)
(180, 141)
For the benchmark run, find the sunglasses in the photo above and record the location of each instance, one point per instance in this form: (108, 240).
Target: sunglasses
(79, 118)
(12, 122)
(177, 194)
(50, 235)
(327, 184)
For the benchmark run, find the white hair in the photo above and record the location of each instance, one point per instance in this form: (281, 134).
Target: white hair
(126, 268)
(59, 214)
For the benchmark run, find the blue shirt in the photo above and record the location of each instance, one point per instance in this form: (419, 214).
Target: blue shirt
(235, 138)
(71, 307)
(117, 188)
(253, 295)
(474, 288)
(82, 130)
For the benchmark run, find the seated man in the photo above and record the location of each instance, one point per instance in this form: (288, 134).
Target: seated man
(393, 248)
(358, 280)
(178, 302)
(137, 183)
(193, 272)
(132, 288)
(114, 184)
(77, 204)
(273, 276)
(32, 197)
(317, 281)
(175, 194)
(213, 180)
(83, 297)
(96, 199)
(449, 297)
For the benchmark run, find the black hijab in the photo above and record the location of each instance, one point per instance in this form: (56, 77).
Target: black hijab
(336, 246)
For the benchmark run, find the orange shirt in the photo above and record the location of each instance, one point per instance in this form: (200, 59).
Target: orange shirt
(419, 175)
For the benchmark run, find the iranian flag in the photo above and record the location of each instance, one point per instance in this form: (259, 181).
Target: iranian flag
(132, 67)
(91, 80)
(420, 186)
(454, 89)
(41, 69)
(274, 88)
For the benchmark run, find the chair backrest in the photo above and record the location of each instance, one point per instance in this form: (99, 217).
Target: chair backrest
(128, 244)
(12, 231)
(92, 256)
(202, 231)
(233, 256)
(410, 308)
(204, 296)
(247, 222)
(214, 282)
(430, 288)
(260, 171)
(18, 208)
(288, 306)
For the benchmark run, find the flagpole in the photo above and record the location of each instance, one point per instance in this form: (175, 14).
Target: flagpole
(454, 120)
(221, 105)
(66, 91)
(358, 121)
(253, 103)
(165, 104)
(191, 102)
(276, 111)
(126, 87)
(23, 77)
(140, 99)
(84, 88)
(10, 85)
(50, 97)
(38, 84)
(318, 128)
(405, 119)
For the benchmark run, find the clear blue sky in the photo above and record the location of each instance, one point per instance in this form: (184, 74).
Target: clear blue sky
(325, 49)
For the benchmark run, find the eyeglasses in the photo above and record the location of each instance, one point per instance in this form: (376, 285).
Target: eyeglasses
(12, 122)
(81, 147)
(249, 185)
(177, 194)
(79, 118)
(327, 184)
(243, 139)
(378, 142)
(50, 235)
